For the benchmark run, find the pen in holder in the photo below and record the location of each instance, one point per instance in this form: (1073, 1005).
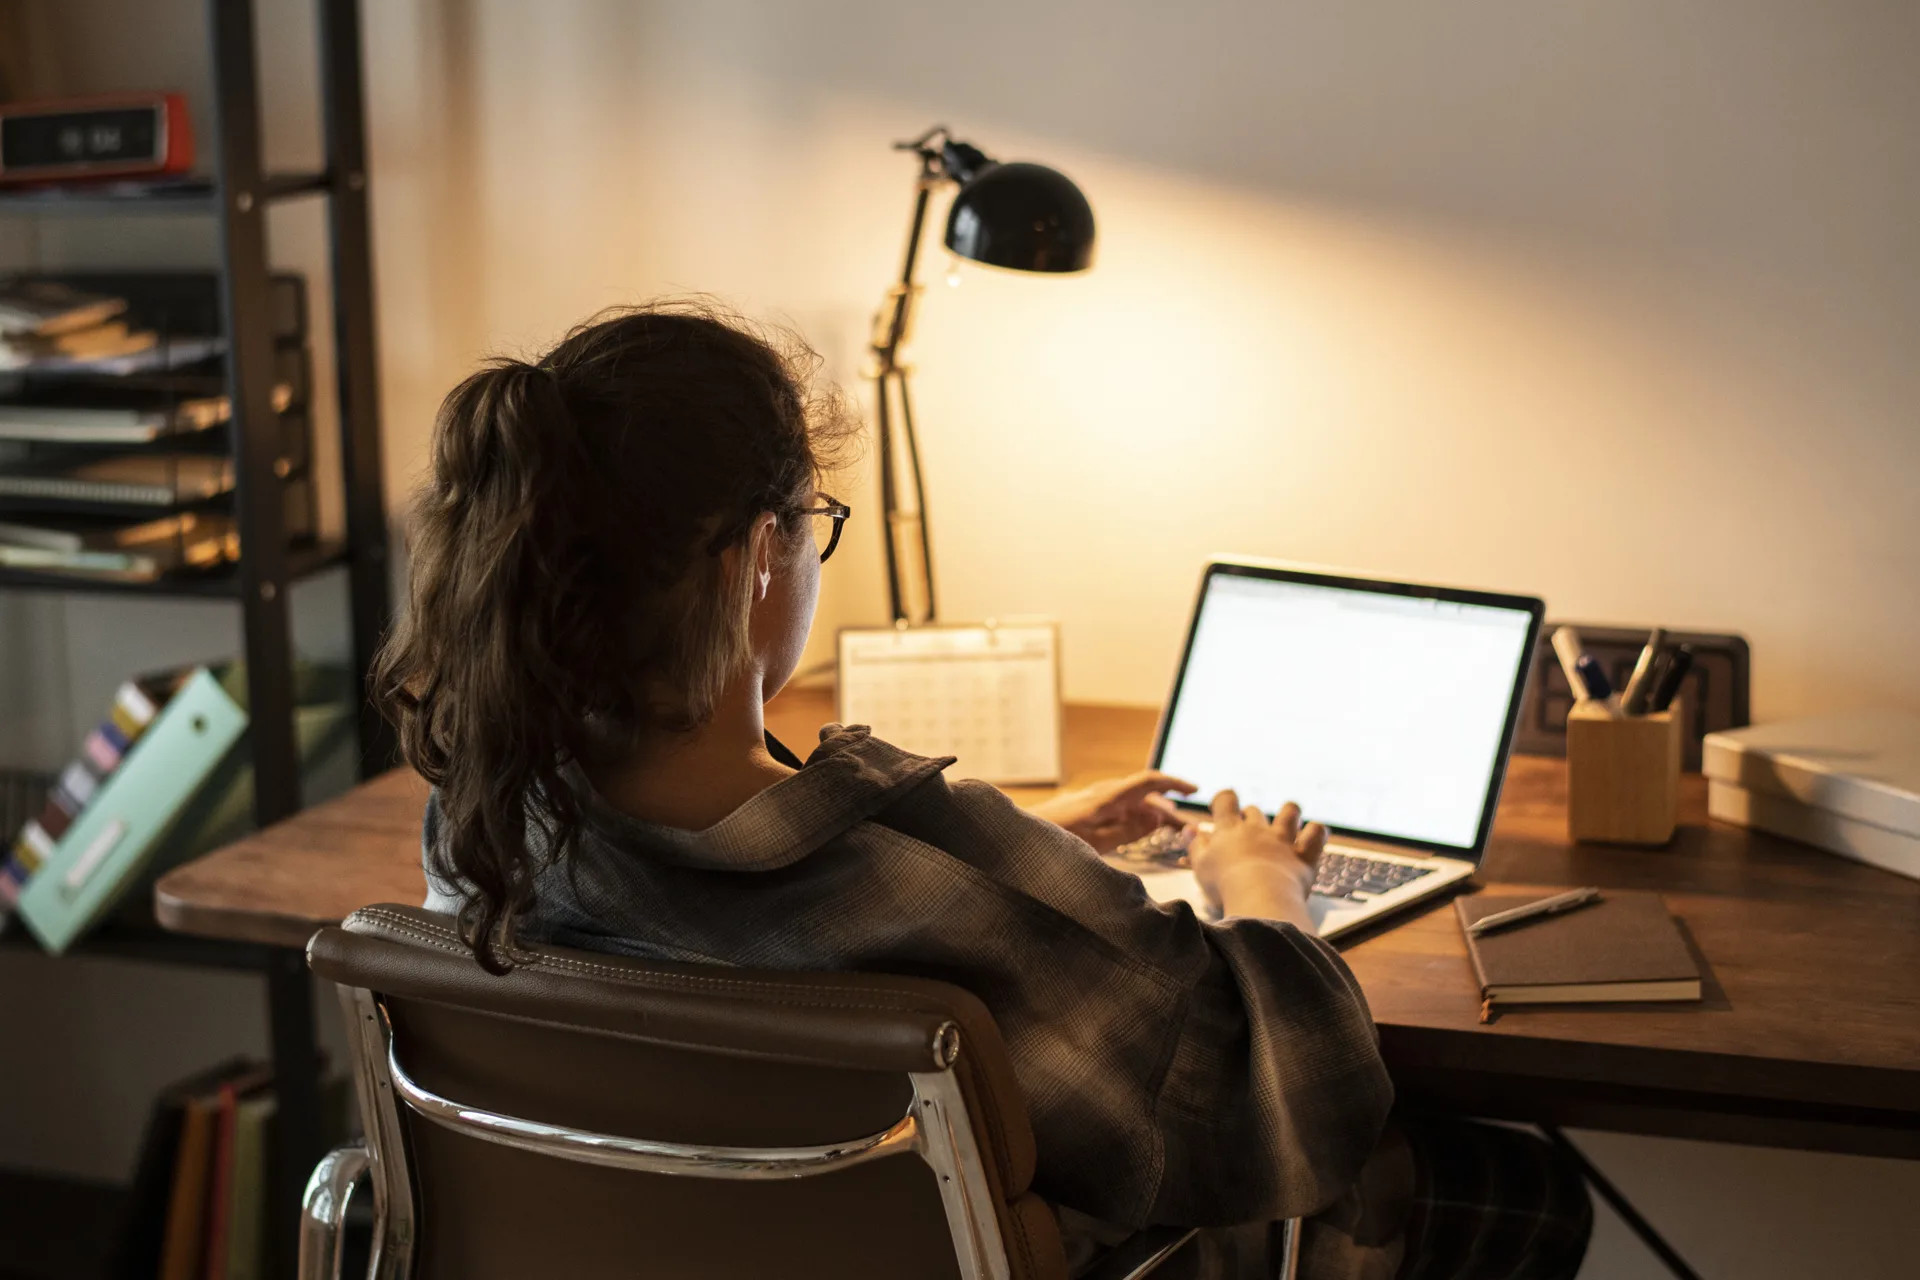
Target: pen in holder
(1623, 775)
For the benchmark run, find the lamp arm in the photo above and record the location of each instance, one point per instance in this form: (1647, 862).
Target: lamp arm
(888, 376)
(896, 315)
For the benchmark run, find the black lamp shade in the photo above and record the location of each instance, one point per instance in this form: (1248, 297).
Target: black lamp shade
(1023, 216)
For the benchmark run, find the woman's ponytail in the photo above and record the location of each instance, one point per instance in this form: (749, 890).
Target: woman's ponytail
(567, 597)
(486, 666)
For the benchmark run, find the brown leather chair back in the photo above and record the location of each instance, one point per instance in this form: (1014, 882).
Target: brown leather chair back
(706, 1096)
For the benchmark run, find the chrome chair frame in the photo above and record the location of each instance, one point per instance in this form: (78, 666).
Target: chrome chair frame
(934, 1128)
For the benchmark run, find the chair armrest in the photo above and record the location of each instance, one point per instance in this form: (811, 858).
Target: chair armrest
(1140, 1254)
(323, 1211)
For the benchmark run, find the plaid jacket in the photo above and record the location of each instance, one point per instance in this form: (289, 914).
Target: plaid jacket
(1176, 1071)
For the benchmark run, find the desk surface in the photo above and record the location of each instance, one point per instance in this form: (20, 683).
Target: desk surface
(1809, 1035)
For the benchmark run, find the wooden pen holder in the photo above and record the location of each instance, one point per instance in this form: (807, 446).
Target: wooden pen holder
(1623, 775)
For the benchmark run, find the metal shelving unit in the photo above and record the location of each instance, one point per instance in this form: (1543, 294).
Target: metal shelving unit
(238, 194)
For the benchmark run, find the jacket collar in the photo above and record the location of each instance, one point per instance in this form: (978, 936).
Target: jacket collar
(850, 776)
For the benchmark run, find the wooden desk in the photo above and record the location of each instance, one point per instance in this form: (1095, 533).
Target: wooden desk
(1809, 1036)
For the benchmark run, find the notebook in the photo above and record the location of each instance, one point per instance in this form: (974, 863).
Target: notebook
(137, 479)
(1623, 947)
(132, 420)
(120, 552)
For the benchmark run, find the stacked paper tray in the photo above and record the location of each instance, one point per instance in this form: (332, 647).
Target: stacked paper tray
(1849, 784)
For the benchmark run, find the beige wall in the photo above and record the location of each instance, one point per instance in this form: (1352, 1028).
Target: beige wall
(1609, 301)
(1612, 300)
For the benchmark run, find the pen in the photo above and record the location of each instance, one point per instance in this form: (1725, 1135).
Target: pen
(1566, 643)
(1639, 691)
(1675, 671)
(1544, 907)
(1593, 679)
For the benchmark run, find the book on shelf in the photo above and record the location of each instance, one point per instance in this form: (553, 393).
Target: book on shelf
(103, 415)
(143, 1227)
(56, 533)
(111, 338)
(198, 1207)
(188, 302)
(246, 1205)
(223, 1181)
(132, 479)
(46, 308)
(123, 324)
(292, 367)
(110, 551)
(183, 1239)
(150, 355)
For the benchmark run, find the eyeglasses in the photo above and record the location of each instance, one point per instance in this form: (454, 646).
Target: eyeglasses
(826, 520)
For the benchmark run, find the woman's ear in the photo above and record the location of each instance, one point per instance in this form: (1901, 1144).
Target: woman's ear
(765, 538)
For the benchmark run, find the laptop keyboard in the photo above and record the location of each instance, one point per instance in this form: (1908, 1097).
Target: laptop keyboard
(1352, 876)
(1357, 877)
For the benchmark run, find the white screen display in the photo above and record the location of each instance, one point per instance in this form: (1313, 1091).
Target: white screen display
(1379, 713)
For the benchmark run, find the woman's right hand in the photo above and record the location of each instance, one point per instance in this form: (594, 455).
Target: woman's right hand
(1251, 867)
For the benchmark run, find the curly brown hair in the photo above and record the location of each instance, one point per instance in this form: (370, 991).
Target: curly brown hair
(570, 595)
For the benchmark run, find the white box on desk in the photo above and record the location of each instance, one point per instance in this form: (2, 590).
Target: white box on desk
(1849, 784)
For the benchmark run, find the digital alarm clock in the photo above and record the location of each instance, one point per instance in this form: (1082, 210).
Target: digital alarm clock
(128, 135)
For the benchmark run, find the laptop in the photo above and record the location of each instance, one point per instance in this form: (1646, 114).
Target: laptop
(1384, 709)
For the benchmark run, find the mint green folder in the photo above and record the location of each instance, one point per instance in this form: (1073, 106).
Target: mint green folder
(139, 803)
(221, 811)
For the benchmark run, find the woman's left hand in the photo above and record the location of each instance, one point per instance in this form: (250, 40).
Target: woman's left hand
(1117, 811)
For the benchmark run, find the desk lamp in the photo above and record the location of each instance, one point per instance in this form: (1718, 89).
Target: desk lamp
(1025, 217)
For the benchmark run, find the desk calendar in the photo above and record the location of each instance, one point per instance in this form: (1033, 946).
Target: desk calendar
(988, 694)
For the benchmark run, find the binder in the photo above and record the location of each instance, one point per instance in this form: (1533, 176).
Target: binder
(113, 838)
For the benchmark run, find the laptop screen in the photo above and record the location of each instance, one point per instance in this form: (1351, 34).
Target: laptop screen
(1381, 708)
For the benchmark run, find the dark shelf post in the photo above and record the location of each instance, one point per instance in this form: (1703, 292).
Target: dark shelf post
(343, 117)
(247, 321)
(263, 582)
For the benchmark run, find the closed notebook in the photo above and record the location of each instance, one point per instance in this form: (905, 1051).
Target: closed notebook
(1623, 947)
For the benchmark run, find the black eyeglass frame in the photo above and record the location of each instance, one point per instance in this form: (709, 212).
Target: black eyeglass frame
(839, 511)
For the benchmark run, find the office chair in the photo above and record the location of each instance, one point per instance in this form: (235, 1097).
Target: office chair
(591, 1115)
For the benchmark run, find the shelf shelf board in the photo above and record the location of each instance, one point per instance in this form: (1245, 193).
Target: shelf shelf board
(175, 196)
(302, 563)
(52, 1225)
(150, 943)
(142, 939)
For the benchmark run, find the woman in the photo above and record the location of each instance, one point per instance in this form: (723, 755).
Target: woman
(615, 564)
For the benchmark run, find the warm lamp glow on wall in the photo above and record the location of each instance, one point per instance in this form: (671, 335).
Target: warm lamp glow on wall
(1024, 217)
